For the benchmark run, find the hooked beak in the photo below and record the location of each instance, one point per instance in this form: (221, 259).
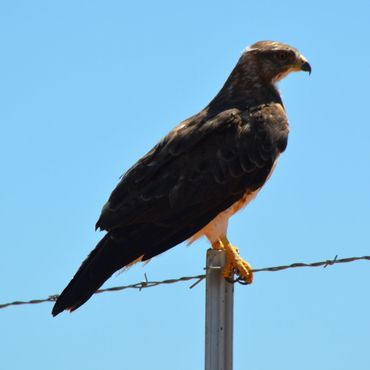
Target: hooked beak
(305, 66)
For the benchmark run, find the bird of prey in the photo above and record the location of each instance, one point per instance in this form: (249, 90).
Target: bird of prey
(202, 172)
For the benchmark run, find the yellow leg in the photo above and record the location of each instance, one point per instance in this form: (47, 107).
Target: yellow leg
(234, 263)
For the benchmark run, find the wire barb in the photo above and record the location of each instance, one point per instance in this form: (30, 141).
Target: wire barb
(149, 284)
(329, 263)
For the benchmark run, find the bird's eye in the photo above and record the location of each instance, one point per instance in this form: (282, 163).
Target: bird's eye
(283, 55)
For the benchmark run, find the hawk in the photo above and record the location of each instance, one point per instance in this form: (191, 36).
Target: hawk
(206, 169)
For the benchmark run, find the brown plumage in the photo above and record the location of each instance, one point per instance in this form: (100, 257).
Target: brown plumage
(204, 170)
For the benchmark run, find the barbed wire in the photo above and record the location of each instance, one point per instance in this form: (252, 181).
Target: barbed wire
(149, 284)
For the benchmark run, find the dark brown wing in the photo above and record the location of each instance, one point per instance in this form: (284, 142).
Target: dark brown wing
(198, 170)
(195, 172)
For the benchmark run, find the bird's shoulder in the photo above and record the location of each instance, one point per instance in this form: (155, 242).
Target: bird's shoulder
(271, 121)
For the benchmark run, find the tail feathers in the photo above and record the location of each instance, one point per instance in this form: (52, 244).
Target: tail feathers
(107, 257)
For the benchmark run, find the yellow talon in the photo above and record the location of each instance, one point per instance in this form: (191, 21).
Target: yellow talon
(234, 263)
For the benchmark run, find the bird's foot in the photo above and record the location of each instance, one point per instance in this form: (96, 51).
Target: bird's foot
(234, 263)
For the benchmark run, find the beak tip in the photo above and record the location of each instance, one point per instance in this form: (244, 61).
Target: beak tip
(306, 67)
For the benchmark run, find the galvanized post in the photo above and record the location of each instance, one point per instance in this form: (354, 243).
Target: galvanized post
(219, 314)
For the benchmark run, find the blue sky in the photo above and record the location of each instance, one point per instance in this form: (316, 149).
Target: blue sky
(87, 87)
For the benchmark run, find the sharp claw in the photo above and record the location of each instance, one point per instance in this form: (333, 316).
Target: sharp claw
(242, 282)
(233, 281)
(235, 265)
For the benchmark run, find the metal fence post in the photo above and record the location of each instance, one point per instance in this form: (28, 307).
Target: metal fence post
(219, 314)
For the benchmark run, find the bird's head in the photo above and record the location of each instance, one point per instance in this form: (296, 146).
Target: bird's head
(273, 60)
(252, 80)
